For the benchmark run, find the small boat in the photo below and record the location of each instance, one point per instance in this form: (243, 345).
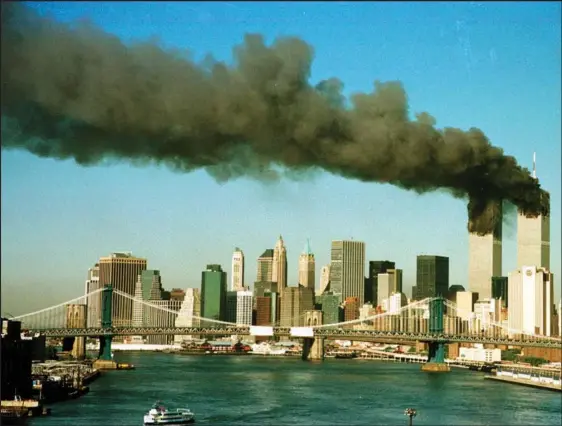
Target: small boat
(159, 415)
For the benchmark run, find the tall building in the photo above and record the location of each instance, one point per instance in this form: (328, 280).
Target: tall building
(149, 279)
(331, 307)
(533, 238)
(324, 280)
(347, 268)
(307, 267)
(121, 270)
(93, 313)
(265, 266)
(213, 293)
(485, 254)
(244, 307)
(190, 308)
(294, 302)
(231, 301)
(389, 283)
(500, 290)
(376, 267)
(237, 278)
(351, 309)
(279, 270)
(531, 300)
(432, 277)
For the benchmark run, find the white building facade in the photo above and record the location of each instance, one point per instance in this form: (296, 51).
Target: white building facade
(244, 304)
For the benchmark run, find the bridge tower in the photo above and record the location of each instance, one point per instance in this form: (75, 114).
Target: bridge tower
(436, 347)
(313, 347)
(105, 361)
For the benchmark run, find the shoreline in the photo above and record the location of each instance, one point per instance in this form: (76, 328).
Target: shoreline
(526, 382)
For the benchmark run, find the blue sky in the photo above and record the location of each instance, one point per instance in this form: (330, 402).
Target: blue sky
(495, 66)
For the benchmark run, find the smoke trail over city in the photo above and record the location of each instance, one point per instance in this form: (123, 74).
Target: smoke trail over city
(73, 91)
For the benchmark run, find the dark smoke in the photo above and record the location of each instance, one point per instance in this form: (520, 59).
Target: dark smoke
(73, 91)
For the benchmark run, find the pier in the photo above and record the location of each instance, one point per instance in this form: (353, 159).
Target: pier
(535, 377)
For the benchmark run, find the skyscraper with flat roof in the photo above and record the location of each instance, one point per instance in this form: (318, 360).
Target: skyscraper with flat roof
(376, 267)
(533, 238)
(432, 277)
(213, 293)
(121, 270)
(347, 268)
(485, 254)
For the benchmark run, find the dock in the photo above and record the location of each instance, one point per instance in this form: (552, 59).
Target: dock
(527, 382)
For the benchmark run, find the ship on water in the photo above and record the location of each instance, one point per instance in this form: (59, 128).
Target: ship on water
(160, 415)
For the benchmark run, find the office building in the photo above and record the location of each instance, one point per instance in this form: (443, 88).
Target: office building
(396, 302)
(500, 290)
(189, 311)
(376, 267)
(485, 253)
(244, 307)
(93, 314)
(331, 307)
(279, 269)
(487, 312)
(237, 278)
(432, 277)
(531, 300)
(324, 279)
(307, 267)
(351, 308)
(533, 238)
(465, 304)
(262, 287)
(231, 304)
(388, 283)
(347, 268)
(121, 270)
(213, 293)
(177, 294)
(294, 302)
(265, 266)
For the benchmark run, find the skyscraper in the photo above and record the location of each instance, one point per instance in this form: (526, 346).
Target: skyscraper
(389, 282)
(531, 300)
(93, 310)
(533, 238)
(279, 270)
(191, 306)
(376, 267)
(121, 270)
(307, 267)
(294, 302)
(213, 293)
(432, 277)
(237, 280)
(485, 254)
(347, 268)
(244, 307)
(265, 266)
(324, 280)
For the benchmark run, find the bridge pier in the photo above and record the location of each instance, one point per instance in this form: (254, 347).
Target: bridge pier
(105, 360)
(436, 349)
(313, 349)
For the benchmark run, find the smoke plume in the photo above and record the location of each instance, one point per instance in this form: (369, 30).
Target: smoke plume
(73, 91)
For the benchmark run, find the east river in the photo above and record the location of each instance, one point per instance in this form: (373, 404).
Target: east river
(251, 390)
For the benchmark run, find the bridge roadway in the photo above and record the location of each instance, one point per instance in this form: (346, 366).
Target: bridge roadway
(331, 333)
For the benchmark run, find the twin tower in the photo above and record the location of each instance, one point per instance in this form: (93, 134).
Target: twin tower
(485, 252)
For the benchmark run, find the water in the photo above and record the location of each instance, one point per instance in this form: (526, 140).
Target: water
(231, 390)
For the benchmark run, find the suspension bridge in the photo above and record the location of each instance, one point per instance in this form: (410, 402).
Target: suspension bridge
(434, 321)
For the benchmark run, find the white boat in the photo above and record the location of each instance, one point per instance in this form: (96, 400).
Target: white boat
(159, 415)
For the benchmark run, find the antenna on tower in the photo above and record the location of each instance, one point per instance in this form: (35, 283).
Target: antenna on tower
(535, 165)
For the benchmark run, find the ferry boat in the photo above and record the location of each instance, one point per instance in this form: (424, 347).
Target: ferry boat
(159, 415)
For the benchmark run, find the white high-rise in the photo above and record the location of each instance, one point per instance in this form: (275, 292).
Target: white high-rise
(533, 238)
(237, 276)
(244, 305)
(190, 308)
(307, 267)
(530, 300)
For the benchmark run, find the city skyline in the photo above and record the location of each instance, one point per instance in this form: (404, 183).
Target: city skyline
(180, 223)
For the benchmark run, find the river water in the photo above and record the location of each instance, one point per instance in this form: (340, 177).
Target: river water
(249, 390)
